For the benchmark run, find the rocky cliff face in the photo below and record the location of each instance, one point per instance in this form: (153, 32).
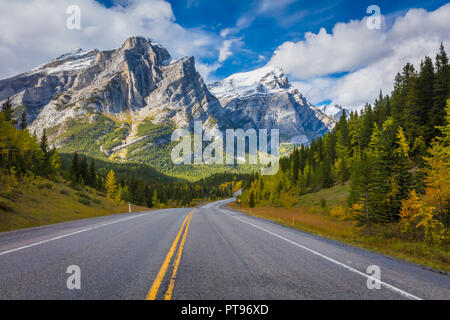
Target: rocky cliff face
(137, 79)
(263, 98)
(124, 103)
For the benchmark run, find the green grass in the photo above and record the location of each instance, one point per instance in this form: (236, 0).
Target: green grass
(35, 202)
(154, 131)
(333, 197)
(86, 137)
(114, 138)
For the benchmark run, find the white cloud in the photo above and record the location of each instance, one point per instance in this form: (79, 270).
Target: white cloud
(370, 58)
(225, 50)
(34, 31)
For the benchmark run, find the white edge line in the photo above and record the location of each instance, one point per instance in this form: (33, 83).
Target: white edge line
(66, 235)
(387, 285)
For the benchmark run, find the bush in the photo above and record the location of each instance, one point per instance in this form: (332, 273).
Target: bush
(287, 200)
(8, 194)
(323, 202)
(6, 205)
(75, 186)
(45, 185)
(64, 191)
(84, 201)
(97, 201)
(340, 212)
(83, 195)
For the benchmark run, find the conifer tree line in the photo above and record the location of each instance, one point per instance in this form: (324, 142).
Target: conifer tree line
(20, 151)
(386, 151)
(129, 188)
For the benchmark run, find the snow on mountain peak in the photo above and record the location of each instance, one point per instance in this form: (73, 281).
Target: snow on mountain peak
(266, 80)
(73, 54)
(76, 59)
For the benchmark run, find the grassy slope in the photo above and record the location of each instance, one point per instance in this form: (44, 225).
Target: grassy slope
(41, 202)
(308, 215)
(149, 159)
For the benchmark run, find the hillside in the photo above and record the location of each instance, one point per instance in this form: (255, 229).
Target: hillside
(34, 201)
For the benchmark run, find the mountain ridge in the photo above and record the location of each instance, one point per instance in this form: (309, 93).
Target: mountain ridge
(122, 104)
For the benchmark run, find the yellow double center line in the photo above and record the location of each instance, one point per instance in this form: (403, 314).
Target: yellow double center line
(162, 272)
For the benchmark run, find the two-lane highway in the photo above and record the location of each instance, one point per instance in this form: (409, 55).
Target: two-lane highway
(199, 253)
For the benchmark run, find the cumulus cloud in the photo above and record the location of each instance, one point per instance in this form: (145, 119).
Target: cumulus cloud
(34, 31)
(368, 58)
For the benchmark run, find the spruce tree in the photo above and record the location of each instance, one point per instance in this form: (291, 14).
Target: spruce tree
(155, 200)
(23, 122)
(441, 93)
(93, 174)
(251, 200)
(46, 168)
(84, 170)
(75, 168)
(44, 142)
(363, 198)
(7, 110)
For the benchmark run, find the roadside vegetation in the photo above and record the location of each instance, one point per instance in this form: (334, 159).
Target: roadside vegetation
(321, 213)
(393, 158)
(31, 201)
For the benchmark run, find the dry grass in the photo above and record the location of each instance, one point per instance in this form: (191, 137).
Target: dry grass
(47, 202)
(304, 219)
(309, 216)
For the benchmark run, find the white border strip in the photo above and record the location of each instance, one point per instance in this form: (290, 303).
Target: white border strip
(67, 235)
(390, 287)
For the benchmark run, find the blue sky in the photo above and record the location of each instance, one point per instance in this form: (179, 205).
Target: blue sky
(268, 24)
(325, 47)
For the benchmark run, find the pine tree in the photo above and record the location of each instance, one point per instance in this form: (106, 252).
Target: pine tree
(23, 122)
(7, 110)
(392, 180)
(84, 170)
(75, 168)
(441, 92)
(251, 200)
(367, 121)
(46, 167)
(44, 142)
(342, 150)
(295, 165)
(111, 184)
(92, 174)
(155, 201)
(363, 198)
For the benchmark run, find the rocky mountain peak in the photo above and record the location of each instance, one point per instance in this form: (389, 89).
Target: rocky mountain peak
(112, 103)
(142, 47)
(264, 98)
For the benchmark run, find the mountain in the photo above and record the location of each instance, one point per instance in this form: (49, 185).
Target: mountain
(123, 104)
(335, 111)
(264, 98)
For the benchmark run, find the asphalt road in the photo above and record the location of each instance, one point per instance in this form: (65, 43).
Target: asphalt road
(203, 253)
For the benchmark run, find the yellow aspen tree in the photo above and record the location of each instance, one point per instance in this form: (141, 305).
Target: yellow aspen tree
(111, 185)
